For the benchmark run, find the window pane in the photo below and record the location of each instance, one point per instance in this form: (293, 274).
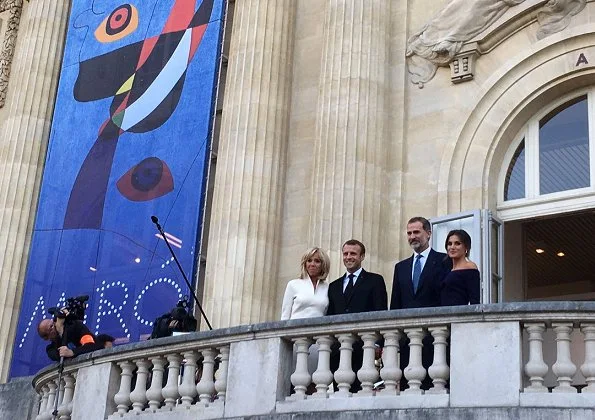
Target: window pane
(564, 148)
(514, 185)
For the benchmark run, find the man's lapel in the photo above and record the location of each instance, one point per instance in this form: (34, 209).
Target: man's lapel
(409, 268)
(428, 269)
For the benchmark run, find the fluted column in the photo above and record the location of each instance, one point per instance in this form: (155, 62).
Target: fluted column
(23, 141)
(244, 238)
(351, 128)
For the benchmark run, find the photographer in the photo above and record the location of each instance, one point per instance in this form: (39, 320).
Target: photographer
(179, 319)
(61, 332)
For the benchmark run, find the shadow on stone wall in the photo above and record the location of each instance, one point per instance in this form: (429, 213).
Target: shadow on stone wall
(17, 399)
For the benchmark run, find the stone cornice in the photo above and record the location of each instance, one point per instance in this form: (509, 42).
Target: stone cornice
(14, 7)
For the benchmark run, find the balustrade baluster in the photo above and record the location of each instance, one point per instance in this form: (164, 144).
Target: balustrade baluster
(588, 368)
(51, 399)
(564, 369)
(536, 368)
(154, 392)
(43, 405)
(391, 372)
(188, 387)
(221, 381)
(46, 414)
(301, 378)
(65, 409)
(139, 395)
(122, 398)
(170, 391)
(322, 376)
(439, 371)
(415, 372)
(368, 374)
(344, 376)
(206, 386)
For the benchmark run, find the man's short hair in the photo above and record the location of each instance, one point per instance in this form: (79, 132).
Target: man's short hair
(424, 222)
(41, 331)
(356, 242)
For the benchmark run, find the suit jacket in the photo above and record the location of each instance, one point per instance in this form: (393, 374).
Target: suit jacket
(369, 294)
(428, 290)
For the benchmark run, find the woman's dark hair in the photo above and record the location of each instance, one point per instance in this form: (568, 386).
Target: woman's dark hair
(463, 236)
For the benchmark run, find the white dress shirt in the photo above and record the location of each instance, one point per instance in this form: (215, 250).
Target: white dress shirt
(355, 277)
(301, 300)
(424, 257)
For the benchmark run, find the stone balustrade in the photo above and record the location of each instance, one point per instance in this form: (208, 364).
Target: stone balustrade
(484, 356)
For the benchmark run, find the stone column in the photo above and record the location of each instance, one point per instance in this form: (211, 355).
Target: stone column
(23, 141)
(244, 237)
(349, 180)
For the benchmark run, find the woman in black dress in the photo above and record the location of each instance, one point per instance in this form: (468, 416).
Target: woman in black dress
(461, 285)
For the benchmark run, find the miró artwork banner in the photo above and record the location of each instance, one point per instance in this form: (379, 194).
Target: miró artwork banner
(129, 139)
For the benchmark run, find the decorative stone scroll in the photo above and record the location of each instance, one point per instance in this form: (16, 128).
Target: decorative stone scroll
(440, 42)
(13, 9)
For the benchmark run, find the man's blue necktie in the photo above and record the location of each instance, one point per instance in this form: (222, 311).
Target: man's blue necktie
(416, 272)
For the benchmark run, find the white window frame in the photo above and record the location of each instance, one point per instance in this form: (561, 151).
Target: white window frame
(534, 204)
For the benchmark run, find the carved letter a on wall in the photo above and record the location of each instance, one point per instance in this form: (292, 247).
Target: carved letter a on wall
(581, 60)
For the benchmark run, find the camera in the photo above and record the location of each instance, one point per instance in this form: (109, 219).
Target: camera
(75, 307)
(179, 319)
(183, 303)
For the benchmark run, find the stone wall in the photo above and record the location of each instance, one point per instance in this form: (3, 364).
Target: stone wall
(18, 400)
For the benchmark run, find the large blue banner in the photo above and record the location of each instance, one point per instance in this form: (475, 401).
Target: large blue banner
(129, 140)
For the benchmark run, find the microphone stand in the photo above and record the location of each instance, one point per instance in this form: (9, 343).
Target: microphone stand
(60, 371)
(155, 220)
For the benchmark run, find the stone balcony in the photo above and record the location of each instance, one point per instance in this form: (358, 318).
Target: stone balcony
(517, 360)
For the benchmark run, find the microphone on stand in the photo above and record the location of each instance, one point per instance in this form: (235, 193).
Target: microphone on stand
(155, 220)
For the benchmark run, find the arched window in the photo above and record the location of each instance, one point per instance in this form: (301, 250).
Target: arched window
(552, 159)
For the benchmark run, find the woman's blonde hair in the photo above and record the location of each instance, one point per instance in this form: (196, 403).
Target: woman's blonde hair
(325, 266)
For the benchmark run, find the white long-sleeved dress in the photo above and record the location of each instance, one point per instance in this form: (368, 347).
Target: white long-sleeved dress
(302, 300)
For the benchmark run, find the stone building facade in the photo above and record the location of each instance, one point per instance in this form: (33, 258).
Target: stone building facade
(342, 119)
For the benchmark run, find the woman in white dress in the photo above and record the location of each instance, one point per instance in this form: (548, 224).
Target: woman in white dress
(307, 296)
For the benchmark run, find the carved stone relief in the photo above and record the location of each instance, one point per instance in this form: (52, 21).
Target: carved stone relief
(556, 15)
(440, 41)
(10, 10)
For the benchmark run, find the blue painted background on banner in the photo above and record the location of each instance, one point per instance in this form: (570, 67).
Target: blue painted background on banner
(129, 140)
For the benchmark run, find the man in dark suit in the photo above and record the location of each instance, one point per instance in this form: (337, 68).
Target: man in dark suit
(416, 284)
(416, 280)
(356, 291)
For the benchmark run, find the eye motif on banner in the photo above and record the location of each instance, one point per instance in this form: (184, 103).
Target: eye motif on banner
(146, 80)
(120, 23)
(148, 180)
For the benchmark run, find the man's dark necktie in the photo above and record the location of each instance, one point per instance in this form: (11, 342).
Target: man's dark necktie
(416, 272)
(349, 288)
